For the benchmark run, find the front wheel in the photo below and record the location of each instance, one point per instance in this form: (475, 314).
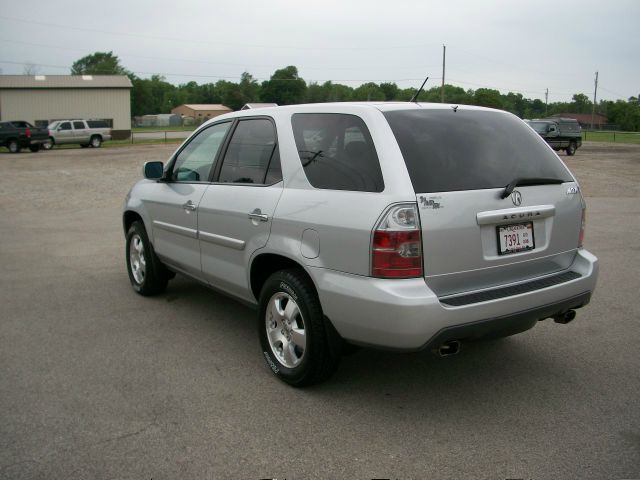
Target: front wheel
(147, 274)
(299, 345)
(96, 141)
(571, 149)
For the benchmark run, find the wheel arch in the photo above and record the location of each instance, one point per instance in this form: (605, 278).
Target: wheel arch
(128, 217)
(265, 264)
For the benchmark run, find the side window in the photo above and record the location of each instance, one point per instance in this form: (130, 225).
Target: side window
(65, 126)
(195, 162)
(78, 125)
(337, 152)
(250, 152)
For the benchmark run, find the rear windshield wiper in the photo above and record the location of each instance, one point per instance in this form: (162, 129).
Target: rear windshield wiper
(529, 181)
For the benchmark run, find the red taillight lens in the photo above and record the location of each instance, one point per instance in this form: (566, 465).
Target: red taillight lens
(396, 249)
(27, 132)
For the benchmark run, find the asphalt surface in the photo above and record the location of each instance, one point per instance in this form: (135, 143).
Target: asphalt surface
(97, 382)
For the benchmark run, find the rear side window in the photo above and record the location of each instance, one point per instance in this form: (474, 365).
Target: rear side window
(97, 124)
(447, 150)
(337, 152)
(250, 152)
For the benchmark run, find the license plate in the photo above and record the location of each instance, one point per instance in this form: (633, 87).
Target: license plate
(515, 238)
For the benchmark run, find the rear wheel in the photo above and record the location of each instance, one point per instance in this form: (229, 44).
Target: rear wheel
(48, 145)
(300, 347)
(13, 146)
(147, 274)
(571, 149)
(96, 141)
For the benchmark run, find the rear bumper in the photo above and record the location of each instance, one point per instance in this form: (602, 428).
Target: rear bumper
(407, 315)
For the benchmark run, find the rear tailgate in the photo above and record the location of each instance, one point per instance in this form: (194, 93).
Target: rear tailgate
(461, 160)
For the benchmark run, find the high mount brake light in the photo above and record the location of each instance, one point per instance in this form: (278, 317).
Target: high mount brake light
(396, 248)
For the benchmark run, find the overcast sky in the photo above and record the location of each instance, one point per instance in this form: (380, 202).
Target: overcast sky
(510, 45)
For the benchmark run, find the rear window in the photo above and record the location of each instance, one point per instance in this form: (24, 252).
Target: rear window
(337, 152)
(447, 150)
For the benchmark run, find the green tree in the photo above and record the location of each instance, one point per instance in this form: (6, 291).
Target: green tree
(487, 97)
(99, 63)
(284, 87)
(580, 104)
(369, 92)
(390, 90)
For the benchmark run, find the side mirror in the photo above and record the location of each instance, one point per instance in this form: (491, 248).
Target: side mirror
(153, 170)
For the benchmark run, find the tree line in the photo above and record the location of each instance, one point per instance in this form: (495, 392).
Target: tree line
(285, 87)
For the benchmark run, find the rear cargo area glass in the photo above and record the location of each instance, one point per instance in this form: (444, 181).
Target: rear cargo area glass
(447, 150)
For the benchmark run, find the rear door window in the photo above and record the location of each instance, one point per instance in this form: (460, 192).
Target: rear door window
(447, 150)
(78, 125)
(337, 152)
(252, 149)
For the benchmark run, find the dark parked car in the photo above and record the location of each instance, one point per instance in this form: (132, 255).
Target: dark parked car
(560, 133)
(19, 134)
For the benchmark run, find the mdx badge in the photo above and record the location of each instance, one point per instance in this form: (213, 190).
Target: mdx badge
(516, 198)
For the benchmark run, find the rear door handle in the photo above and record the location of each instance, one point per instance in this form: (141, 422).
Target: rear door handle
(189, 206)
(258, 215)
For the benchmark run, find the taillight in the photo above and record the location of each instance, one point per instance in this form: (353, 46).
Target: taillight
(27, 132)
(396, 248)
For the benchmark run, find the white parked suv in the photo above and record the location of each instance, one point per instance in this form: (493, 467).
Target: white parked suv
(86, 133)
(397, 225)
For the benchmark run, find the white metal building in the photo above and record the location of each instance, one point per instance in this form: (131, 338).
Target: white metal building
(41, 99)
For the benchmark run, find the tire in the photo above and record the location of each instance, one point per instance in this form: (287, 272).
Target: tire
(13, 146)
(96, 141)
(571, 149)
(299, 345)
(34, 148)
(147, 274)
(48, 145)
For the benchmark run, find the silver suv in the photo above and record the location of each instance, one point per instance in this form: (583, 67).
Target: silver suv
(396, 225)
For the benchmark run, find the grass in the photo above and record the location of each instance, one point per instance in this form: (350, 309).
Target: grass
(617, 137)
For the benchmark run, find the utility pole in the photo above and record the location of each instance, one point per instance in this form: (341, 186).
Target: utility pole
(546, 102)
(444, 54)
(595, 94)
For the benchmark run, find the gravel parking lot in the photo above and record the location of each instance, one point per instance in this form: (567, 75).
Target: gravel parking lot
(98, 382)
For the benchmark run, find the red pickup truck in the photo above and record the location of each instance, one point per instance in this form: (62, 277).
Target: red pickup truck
(16, 135)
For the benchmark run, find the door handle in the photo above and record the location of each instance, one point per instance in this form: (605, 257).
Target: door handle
(189, 206)
(258, 215)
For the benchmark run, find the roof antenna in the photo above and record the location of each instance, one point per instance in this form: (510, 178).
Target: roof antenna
(415, 96)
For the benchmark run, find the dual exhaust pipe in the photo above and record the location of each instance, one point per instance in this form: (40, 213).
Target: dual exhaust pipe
(453, 347)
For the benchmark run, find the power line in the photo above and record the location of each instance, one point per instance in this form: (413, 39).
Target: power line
(200, 42)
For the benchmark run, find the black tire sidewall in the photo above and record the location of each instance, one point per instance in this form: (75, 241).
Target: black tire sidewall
(293, 284)
(96, 139)
(13, 146)
(154, 280)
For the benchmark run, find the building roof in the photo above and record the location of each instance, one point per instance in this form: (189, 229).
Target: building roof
(65, 81)
(206, 106)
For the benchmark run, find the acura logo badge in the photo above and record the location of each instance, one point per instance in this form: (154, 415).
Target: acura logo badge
(516, 198)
